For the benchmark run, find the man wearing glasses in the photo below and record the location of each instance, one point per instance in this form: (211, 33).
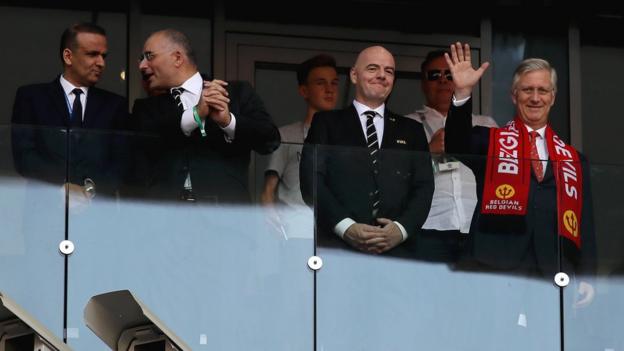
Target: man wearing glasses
(454, 198)
(206, 129)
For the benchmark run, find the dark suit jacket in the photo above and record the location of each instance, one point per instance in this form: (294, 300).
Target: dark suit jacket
(219, 170)
(336, 154)
(41, 141)
(530, 243)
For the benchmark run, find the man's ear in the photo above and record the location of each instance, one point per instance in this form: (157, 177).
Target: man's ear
(303, 91)
(353, 76)
(179, 59)
(67, 56)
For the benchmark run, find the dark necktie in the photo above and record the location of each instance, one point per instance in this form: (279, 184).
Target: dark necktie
(76, 114)
(373, 151)
(177, 93)
(535, 159)
(187, 189)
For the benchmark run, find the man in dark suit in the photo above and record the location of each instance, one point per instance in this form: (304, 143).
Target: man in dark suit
(206, 129)
(374, 180)
(70, 101)
(535, 232)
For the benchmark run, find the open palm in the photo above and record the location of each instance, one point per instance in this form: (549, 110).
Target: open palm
(465, 76)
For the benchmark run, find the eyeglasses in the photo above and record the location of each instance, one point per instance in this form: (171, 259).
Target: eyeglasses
(436, 74)
(531, 90)
(149, 56)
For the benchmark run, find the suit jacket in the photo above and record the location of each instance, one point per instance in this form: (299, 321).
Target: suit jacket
(42, 144)
(336, 154)
(530, 243)
(218, 169)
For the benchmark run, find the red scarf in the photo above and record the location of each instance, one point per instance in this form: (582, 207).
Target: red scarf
(508, 177)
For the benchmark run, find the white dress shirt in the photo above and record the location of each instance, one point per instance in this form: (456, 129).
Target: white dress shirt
(70, 96)
(455, 196)
(540, 144)
(378, 121)
(190, 97)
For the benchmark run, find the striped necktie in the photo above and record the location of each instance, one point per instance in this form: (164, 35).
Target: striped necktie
(373, 150)
(176, 93)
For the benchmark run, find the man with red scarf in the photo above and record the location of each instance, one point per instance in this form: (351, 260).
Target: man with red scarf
(534, 213)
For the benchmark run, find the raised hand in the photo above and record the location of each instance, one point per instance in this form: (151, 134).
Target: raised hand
(465, 76)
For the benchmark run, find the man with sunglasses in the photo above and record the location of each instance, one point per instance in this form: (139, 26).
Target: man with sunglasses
(206, 129)
(70, 101)
(454, 198)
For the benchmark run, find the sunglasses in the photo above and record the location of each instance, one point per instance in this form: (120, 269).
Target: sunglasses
(436, 74)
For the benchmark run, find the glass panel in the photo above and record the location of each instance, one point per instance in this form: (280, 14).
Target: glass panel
(32, 218)
(216, 271)
(491, 289)
(593, 308)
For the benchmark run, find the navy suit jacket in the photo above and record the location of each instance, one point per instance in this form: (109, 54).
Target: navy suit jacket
(43, 144)
(529, 243)
(336, 154)
(218, 169)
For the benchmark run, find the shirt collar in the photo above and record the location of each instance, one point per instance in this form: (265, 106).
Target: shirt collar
(541, 131)
(193, 85)
(361, 108)
(69, 87)
(432, 112)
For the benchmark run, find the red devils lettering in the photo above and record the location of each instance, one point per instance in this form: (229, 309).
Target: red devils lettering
(508, 165)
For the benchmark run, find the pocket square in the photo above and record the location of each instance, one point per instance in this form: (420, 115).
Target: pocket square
(401, 141)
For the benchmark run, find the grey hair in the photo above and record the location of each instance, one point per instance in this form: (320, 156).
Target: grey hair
(178, 38)
(534, 64)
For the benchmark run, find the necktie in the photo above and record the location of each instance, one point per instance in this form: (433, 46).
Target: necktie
(373, 151)
(187, 190)
(176, 93)
(76, 114)
(535, 159)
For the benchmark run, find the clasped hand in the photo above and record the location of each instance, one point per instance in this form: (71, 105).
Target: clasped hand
(214, 103)
(374, 239)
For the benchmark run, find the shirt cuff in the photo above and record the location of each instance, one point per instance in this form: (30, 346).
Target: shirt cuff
(187, 123)
(403, 231)
(342, 226)
(460, 102)
(230, 129)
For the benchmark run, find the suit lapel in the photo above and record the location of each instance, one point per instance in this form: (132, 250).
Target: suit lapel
(93, 105)
(548, 174)
(59, 100)
(389, 130)
(354, 127)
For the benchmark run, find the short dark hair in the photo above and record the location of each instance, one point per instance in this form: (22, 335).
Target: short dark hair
(178, 38)
(432, 55)
(68, 38)
(304, 69)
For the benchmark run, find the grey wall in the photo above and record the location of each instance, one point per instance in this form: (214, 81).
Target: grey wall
(603, 123)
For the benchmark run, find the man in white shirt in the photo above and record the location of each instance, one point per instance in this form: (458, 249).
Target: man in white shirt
(454, 198)
(535, 205)
(206, 129)
(364, 167)
(71, 101)
(317, 80)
